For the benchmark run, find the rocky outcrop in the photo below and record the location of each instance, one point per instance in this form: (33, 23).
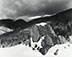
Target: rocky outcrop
(34, 33)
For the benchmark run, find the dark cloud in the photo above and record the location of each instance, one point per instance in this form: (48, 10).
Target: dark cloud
(16, 8)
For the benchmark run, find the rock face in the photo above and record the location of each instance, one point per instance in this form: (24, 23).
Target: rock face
(57, 30)
(34, 33)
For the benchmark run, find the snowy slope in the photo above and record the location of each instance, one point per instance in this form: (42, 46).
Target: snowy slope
(23, 51)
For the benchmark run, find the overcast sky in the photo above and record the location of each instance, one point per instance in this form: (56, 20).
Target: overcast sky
(16, 8)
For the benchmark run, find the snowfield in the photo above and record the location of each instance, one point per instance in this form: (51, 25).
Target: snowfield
(24, 51)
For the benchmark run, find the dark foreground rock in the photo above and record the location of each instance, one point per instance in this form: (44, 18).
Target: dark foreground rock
(56, 53)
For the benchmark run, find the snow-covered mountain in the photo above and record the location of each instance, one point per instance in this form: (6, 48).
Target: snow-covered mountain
(41, 33)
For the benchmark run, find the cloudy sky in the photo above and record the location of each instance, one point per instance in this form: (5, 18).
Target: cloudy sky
(16, 8)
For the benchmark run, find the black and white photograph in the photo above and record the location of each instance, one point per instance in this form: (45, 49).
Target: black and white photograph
(35, 28)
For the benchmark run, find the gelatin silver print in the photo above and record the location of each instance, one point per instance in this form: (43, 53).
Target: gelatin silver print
(36, 28)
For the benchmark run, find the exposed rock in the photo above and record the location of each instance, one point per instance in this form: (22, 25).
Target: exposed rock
(56, 52)
(44, 50)
(64, 47)
(38, 48)
(48, 40)
(68, 45)
(34, 33)
(33, 48)
(62, 40)
(35, 45)
(70, 37)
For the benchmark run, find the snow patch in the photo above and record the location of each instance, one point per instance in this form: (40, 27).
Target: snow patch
(4, 30)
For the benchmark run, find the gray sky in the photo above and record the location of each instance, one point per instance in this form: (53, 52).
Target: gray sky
(16, 8)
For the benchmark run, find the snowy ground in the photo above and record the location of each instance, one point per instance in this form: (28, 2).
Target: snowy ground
(24, 51)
